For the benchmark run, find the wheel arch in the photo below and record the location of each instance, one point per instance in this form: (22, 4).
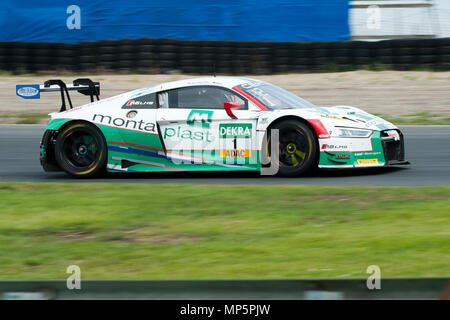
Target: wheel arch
(70, 123)
(296, 118)
(47, 146)
(292, 117)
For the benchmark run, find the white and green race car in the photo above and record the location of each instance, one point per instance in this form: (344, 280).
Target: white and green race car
(209, 124)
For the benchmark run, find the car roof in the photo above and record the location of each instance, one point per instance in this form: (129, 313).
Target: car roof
(227, 82)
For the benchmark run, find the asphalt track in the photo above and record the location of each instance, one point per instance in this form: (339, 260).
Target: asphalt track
(427, 148)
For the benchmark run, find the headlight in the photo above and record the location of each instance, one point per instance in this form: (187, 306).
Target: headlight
(342, 132)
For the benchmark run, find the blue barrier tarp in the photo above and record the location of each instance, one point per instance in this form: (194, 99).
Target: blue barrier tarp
(245, 20)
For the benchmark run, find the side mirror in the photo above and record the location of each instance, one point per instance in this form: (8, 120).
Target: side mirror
(228, 106)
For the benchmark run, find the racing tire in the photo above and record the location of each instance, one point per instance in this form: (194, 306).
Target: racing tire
(298, 148)
(80, 150)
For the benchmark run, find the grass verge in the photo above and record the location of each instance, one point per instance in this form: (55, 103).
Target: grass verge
(420, 118)
(119, 231)
(24, 118)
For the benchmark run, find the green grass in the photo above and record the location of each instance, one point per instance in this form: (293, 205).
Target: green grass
(420, 118)
(26, 118)
(120, 231)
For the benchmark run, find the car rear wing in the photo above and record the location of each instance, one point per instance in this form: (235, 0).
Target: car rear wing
(84, 85)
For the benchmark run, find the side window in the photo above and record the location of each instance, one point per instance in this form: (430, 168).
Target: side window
(199, 97)
(147, 101)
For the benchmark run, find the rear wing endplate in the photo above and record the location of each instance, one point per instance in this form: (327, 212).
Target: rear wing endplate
(84, 85)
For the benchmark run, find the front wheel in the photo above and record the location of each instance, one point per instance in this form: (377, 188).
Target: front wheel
(298, 148)
(80, 150)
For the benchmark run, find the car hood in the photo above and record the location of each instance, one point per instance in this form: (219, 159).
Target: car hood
(358, 118)
(341, 116)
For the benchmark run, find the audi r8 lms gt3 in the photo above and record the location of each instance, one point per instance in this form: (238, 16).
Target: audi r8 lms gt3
(209, 124)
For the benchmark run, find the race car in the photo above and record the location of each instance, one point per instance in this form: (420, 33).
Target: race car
(209, 124)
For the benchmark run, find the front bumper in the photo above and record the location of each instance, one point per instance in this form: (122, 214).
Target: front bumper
(383, 150)
(394, 150)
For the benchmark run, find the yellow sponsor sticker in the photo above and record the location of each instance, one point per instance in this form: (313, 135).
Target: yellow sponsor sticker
(367, 161)
(236, 153)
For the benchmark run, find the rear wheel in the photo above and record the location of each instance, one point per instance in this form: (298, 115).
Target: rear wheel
(298, 148)
(80, 150)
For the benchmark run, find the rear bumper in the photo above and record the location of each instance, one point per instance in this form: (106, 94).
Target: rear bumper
(47, 153)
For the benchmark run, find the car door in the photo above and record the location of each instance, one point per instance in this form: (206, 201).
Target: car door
(195, 126)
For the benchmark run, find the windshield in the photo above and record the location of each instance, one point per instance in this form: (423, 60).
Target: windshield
(274, 97)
